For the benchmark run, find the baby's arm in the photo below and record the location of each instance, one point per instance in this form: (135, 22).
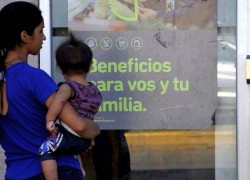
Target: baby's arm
(62, 95)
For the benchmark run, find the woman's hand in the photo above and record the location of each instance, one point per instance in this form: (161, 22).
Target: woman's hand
(84, 127)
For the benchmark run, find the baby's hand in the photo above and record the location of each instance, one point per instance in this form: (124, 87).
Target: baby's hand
(51, 127)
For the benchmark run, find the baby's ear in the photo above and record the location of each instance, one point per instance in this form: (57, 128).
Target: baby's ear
(59, 69)
(90, 67)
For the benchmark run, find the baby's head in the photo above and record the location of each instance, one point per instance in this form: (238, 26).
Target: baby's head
(74, 56)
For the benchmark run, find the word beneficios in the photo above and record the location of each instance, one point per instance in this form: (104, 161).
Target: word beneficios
(132, 65)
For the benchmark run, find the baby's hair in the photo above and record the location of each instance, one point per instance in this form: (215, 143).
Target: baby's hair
(74, 56)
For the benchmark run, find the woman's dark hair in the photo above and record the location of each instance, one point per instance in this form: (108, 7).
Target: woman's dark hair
(14, 18)
(74, 56)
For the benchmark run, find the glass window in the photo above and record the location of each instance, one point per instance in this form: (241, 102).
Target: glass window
(167, 72)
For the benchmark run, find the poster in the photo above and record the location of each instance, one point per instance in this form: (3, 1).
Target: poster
(155, 61)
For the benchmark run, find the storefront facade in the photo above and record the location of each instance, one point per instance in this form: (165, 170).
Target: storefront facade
(205, 130)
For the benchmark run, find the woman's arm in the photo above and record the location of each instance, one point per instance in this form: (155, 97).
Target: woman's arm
(83, 126)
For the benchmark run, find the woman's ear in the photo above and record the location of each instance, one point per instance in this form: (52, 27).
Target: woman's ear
(24, 37)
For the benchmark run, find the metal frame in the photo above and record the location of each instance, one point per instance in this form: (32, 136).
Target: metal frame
(45, 54)
(243, 109)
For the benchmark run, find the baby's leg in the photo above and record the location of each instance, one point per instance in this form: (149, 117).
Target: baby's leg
(49, 168)
(48, 158)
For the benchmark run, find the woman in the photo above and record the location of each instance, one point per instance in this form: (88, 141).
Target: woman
(26, 93)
